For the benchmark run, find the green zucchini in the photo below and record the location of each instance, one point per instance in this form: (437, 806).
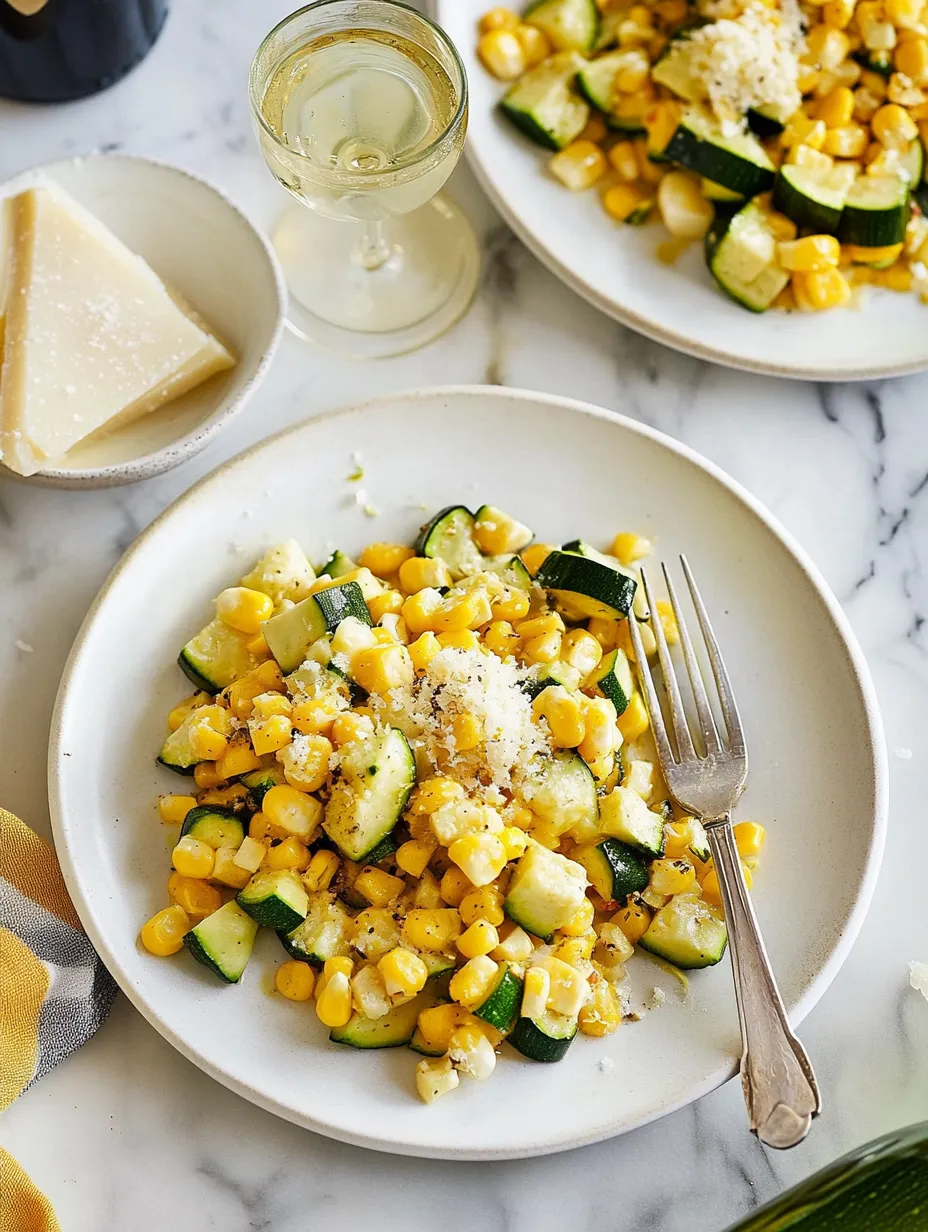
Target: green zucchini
(763, 122)
(545, 108)
(613, 678)
(546, 1038)
(223, 941)
(450, 537)
(741, 253)
(325, 933)
(571, 25)
(687, 932)
(615, 869)
(384, 849)
(561, 790)
(812, 197)
(545, 891)
(596, 80)
(418, 1044)
(275, 900)
(738, 163)
(585, 587)
(876, 61)
(215, 826)
(625, 816)
(876, 212)
(501, 1007)
(216, 656)
(392, 1030)
(338, 564)
(548, 674)
(290, 634)
(176, 753)
(369, 793)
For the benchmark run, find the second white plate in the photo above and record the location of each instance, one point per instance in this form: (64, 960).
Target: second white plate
(817, 777)
(616, 268)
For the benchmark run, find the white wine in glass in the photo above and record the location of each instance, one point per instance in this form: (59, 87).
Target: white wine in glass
(361, 113)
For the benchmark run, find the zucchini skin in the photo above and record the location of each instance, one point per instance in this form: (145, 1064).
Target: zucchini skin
(196, 678)
(534, 1044)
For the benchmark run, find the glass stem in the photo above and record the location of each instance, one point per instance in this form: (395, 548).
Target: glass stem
(372, 250)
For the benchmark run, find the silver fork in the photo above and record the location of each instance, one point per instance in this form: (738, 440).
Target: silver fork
(780, 1089)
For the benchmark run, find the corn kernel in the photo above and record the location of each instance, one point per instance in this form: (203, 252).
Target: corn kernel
(433, 794)
(711, 890)
(575, 951)
(164, 933)
(259, 828)
(435, 1076)
(818, 290)
(750, 837)
(544, 648)
(481, 857)
(535, 47)
(183, 709)
(624, 201)
(623, 159)
(836, 108)
(383, 668)
(896, 278)
(193, 858)
(501, 638)
(485, 903)
(467, 732)
(226, 872)
(427, 892)
(614, 947)
(270, 735)
(605, 631)
(295, 812)
(514, 842)
(266, 678)
(454, 886)
(580, 921)
(893, 127)
(536, 989)
(515, 944)
(321, 870)
(423, 573)
(495, 19)
(244, 609)
(384, 559)
(838, 13)
(478, 940)
(198, 898)
(813, 252)
(671, 876)
(250, 856)
(315, 716)
(423, 650)
(288, 853)
(581, 650)
(342, 965)
(911, 58)
(467, 611)
(333, 1007)
(305, 763)
(404, 974)
(847, 142)
(205, 743)
(563, 714)
(511, 605)
(634, 722)
(600, 731)
(173, 809)
(601, 1015)
(904, 14)
(413, 856)
(439, 1023)
(433, 930)
(379, 887)
(826, 47)
(633, 920)
(295, 981)
(534, 556)
(471, 984)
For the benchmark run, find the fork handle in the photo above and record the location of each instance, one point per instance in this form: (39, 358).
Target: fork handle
(780, 1089)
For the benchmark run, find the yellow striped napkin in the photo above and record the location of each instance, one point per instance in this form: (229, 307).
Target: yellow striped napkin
(54, 993)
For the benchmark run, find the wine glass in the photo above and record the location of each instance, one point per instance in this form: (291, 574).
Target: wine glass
(360, 108)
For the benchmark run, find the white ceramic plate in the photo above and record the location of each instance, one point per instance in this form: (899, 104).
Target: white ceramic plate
(185, 229)
(817, 779)
(616, 269)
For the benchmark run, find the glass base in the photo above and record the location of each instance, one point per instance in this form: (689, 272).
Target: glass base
(424, 285)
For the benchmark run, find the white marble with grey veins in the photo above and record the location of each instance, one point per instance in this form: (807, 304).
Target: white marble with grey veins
(127, 1134)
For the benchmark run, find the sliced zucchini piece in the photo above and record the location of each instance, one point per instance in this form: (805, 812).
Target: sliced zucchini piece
(687, 932)
(609, 23)
(290, 634)
(259, 783)
(739, 162)
(384, 849)
(811, 196)
(543, 105)
(283, 572)
(511, 570)
(571, 25)
(392, 1030)
(276, 899)
(579, 548)
(596, 80)
(562, 791)
(216, 656)
(437, 963)
(223, 941)
(876, 61)
(501, 1007)
(370, 792)
(551, 673)
(450, 537)
(587, 587)
(625, 816)
(325, 933)
(613, 678)
(215, 826)
(741, 255)
(876, 211)
(716, 192)
(338, 564)
(490, 516)
(914, 165)
(545, 891)
(615, 869)
(176, 753)
(546, 1038)
(764, 122)
(419, 1044)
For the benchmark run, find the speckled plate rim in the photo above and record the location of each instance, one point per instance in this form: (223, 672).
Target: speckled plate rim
(147, 466)
(603, 1131)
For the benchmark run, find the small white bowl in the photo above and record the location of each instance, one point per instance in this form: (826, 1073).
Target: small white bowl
(204, 248)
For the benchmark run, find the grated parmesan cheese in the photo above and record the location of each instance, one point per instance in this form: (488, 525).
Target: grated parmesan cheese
(745, 59)
(459, 682)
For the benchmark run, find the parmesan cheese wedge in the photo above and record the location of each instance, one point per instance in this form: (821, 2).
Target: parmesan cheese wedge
(92, 340)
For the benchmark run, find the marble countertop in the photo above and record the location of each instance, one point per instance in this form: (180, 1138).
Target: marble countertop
(129, 1134)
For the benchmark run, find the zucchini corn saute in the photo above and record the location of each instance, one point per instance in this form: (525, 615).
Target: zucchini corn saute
(789, 138)
(428, 773)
